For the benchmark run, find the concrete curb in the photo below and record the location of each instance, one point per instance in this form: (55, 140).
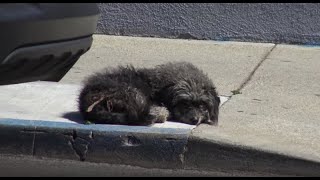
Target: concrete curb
(147, 147)
(138, 146)
(208, 155)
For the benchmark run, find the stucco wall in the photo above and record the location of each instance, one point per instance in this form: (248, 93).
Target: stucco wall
(258, 22)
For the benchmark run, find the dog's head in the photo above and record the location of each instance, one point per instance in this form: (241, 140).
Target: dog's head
(195, 104)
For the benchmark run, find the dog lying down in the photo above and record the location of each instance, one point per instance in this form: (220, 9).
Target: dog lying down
(177, 92)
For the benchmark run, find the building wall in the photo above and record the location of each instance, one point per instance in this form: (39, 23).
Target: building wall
(297, 23)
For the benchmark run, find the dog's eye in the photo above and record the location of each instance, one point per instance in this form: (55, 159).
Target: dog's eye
(202, 107)
(185, 103)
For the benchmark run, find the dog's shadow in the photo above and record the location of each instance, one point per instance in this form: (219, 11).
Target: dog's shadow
(74, 116)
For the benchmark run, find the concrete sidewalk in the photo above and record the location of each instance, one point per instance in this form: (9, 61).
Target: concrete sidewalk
(267, 127)
(278, 110)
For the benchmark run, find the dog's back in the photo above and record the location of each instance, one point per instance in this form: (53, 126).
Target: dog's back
(125, 95)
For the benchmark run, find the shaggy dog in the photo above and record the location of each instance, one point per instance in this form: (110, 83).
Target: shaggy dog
(174, 91)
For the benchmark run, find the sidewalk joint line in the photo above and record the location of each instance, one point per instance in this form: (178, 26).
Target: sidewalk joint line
(248, 79)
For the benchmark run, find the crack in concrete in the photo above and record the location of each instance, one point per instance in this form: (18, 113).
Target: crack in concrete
(33, 143)
(248, 79)
(91, 136)
(171, 139)
(78, 144)
(182, 155)
(33, 131)
(131, 140)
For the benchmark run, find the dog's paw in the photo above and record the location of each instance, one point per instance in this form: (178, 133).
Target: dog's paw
(212, 123)
(159, 114)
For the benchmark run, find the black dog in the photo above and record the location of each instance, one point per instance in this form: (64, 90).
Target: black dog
(125, 95)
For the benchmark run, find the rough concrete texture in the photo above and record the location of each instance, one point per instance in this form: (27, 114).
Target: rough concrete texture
(257, 22)
(227, 63)
(278, 110)
(138, 146)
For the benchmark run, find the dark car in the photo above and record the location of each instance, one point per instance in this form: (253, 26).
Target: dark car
(42, 41)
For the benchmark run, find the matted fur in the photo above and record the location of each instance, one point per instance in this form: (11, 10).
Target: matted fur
(174, 91)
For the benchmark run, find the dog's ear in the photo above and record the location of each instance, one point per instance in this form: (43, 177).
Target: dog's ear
(214, 114)
(214, 111)
(218, 100)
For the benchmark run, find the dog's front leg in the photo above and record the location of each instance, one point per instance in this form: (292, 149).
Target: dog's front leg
(158, 114)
